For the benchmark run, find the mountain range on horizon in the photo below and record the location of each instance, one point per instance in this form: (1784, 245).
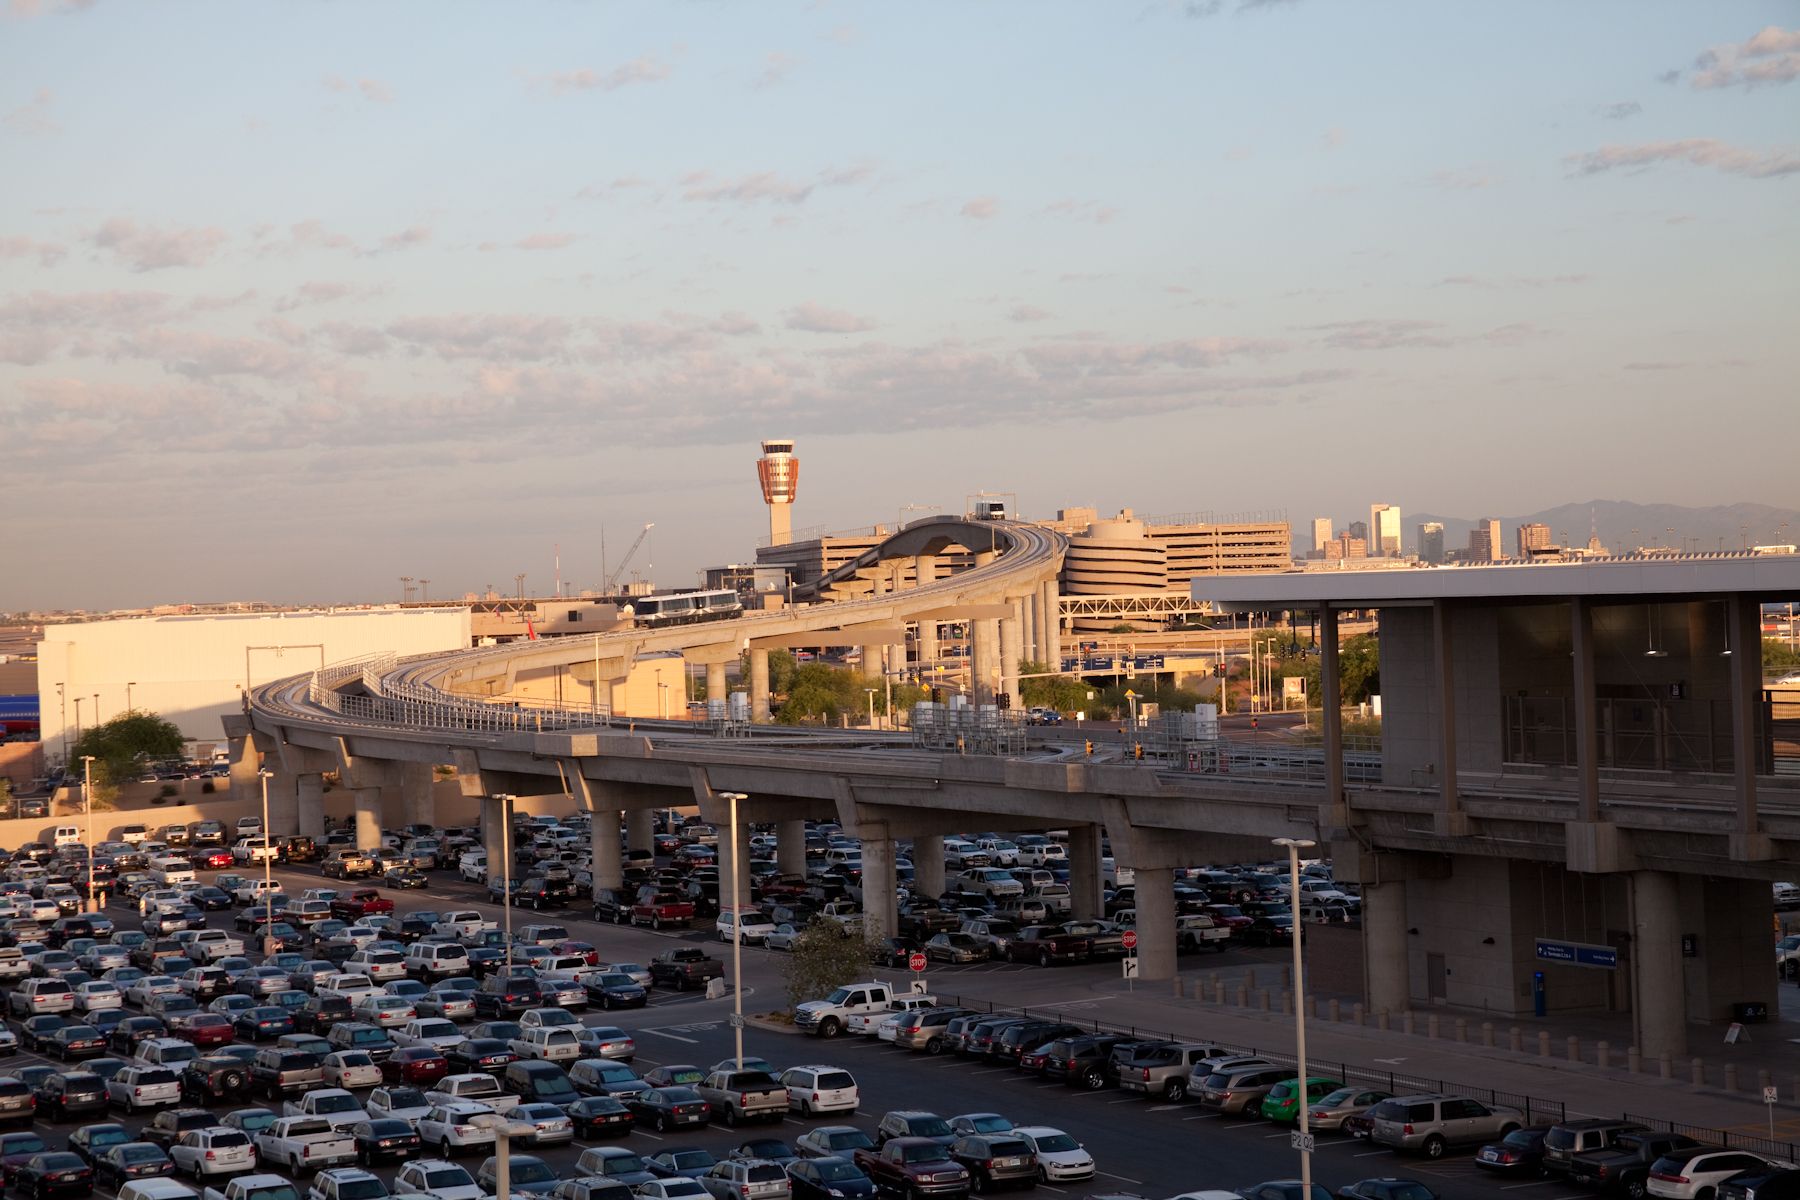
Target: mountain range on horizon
(1623, 526)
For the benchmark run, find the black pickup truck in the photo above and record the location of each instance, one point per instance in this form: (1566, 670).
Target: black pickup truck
(1624, 1167)
(685, 968)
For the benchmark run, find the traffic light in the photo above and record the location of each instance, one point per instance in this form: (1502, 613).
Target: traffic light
(1137, 750)
(1090, 747)
(1003, 699)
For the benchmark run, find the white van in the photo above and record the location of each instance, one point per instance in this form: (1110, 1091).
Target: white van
(171, 869)
(66, 835)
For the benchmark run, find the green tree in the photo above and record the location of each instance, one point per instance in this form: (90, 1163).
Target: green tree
(826, 957)
(781, 670)
(122, 744)
(1777, 655)
(822, 694)
(1040, 689)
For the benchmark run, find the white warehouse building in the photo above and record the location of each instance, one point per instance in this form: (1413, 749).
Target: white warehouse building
(192, 670)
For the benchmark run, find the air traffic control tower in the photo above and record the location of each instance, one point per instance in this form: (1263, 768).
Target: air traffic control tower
(779, 472)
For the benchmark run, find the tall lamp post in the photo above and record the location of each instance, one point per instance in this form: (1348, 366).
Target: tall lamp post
(506, 869)
(871, 692)
(504, 1132)
(87, 807)
(737, 935)
(128, 686)
(1304, 1138)
(268, 857)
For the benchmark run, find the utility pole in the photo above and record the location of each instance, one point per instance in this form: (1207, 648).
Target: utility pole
(519, 579)
(406, 582)
(424, 590)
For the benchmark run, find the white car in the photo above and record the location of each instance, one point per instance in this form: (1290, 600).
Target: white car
(389, 1012)
(334, 1106)
(382, 966)
(1059, 1156)
(97, 994)
(462, 923)
(157, 1189)
(139, 1087)
(551, 1045)
(1703, 1168)
(351, 1069)
(435, 1032)
(820, 1089)
(472, 866)
(140, 992)
(397, 1103)
(437, 1178)
(451, 1127)
(220, 1150)
(351, 987)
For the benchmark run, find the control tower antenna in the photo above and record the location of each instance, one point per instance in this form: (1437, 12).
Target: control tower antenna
(779, 473)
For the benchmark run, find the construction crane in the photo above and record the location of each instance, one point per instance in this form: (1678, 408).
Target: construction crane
(612, 580)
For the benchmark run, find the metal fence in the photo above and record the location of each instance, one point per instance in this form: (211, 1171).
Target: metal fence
(1730, 1138)
(968, 729)
(1262, 758)
(1536, 1108)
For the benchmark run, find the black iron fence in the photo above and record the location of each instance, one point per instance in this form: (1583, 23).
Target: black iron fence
(1731, 1139)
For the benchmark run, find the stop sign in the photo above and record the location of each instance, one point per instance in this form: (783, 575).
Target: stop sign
(916, 961)
(1129, 939)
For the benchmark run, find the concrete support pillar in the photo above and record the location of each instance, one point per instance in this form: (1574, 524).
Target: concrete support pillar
(1384, 946)
(496, 818)
(1012, 648)
(759, 686)
(790, 846)
(1660, 999)
(246, 760)
(1028, 616)
(1743, 619)
(871, 661)
(416, 780)
(1155, 922)
(1331, 704)
(984, 660)
(740, 850)
(603, 840)
(368, 818)
(880, 903)
(925, 645)
(309, 797)
(928, 866)
(640, 830)
(1051, 628)
(1587, 716)
(715, 683)
(1085, 899)
(284, 804)
(1449, 802)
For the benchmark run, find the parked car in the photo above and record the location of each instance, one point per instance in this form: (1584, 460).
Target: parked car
(1430, 1124)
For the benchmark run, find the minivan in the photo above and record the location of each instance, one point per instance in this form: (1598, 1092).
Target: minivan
(171, 869)
(66, 835)
(1433, 1124)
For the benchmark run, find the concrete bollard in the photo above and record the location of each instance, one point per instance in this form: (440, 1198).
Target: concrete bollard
(1356, 1015)
(1287, 976)
(1517, 1041)
(1667, 1066)
(1262, 999)
(1287, 1003)
(1243, 996)
(1574, 1048)
(1487, 1034)
(1406, 1022)
(1697, 1072)
(1177, 982)
(1602, 1055)
(1543, 1043)
(1331, 1008)
(1731, 1077)
(1431, 1026)
(1381, 1019)
(1462, 1029)
(1634, 1060)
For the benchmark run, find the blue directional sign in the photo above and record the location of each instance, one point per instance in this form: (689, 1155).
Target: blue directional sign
(1577, 954)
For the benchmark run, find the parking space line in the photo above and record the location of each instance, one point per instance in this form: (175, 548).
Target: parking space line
(671, 1036)
(1371, 1153)
(1120, 1178)
(1513, 1187)
(1165, 1107)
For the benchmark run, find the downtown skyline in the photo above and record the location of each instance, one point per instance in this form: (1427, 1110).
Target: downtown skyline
(437, 287)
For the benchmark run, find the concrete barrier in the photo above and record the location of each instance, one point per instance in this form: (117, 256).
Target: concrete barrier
(1634, 1060)
(1731, 1077)
(1602, 1055)
(1517, 1040)
(1543, 1043)
(1487, 1034)
(1406, 1022)
(1574, 1045)
(1431, 1026)
(1697, 1073)
(1331, 1009)
(1357, 1015)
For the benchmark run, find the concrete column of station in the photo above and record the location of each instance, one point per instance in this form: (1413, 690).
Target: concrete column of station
(1051, 629)
(740, 851)
(1028, 615)
(1449, 801)
(926, 644)
(416, 782)
(246, 760)
(1659, 1001)
(1743, 617)
(759, 686)
(1586, 704)
(716, 687)
(1154, 888)
(496, 816)
(284, 803)
(872, 664)
(368, 818)
(1011, 650)
(1086, 901)
(790, 846)
(928, 866)
(1385, 964)
(309, 797)
(606, 849)
(1331, 703)
(881, 906)
(640, 830)
(984, 659)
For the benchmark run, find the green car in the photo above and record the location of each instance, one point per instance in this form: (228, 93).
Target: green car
(1280, 1104)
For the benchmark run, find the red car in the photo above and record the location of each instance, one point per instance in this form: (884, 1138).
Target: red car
(587, 950)
(206, 1029)
(364, 903)
(216, 859)
(420, 1066)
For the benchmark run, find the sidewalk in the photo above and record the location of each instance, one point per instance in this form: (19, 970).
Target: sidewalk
(1586, 1089)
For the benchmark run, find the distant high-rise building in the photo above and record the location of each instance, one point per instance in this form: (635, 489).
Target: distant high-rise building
(1431, 542)
(1484, 541)
(779, 472)
(1321, 535)
(1533, 535)
(1357, 529)
(1384, 531)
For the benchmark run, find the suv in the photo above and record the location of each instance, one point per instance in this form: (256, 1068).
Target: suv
(504, 997)
(1433, 1124)
(1162, 1068)
(1238, 1090)
(912, 1124)
(1686, 1174)
(277, 1072)
(1565, 1141)
(345, 1183)
(539, 1082)
(996, 1159)
(748, 1179)
(924, 1029)
(437, 960)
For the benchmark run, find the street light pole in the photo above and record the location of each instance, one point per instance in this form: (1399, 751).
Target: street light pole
(871, 692)
(128, 686)
(506, 888)
(268, 869)
(87, 806)
(1294, 846)
(737, 934)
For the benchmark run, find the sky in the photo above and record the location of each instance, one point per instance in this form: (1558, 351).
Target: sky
(300, 298)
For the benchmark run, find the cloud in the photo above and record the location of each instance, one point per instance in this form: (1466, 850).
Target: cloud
(33, 8)
(776, 67)
(735, 324)
(638, 70)
(815, 318)
(34, 115)
(1699, 152)
(1623, 110)
(302, 235)
(1028, 312)
(491, 336)
(1771, 57)
(372, 90)
(595, 191)
(1463, 179)
(981, 208)
(320, 292)
(1528, 281)
(414, 235)
(1383, 334)
(48, 254)
(545, 241)
(200, 355)
(145, 249)
(1081, 210)
(843, 35)
(43, 325)
(767, 187)
(1201, 9)
(1655, 366)
(1332, 138)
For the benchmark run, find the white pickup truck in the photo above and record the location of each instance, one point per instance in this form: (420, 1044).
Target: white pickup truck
(305, 1144)
(828, 1017)
(484, 1089)
(334, 1106)
(253, 1187)
(210, 945)
(865, 1024)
